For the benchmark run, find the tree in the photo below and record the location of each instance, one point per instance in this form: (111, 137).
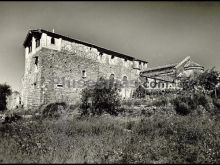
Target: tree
(140, 92)
(209, 80)
(206, 81)
(5, 90)
(104, 97)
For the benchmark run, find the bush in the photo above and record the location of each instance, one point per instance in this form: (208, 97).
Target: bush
(5, 90)
(218, 91)
(54, 109)
(216, 102)
(11, 118)
(104, 97)
(182, 108)
(161, 101)
(140, 92)
(127, 102)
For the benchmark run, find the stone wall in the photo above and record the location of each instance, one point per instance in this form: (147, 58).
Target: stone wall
(59, 69)
(14, 100)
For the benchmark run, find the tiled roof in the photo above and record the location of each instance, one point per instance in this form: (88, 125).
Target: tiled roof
(100, 49)
(165, 78)
(192, 64)
(155, 69)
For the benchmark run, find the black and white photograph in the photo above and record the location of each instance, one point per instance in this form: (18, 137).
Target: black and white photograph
(110, 82)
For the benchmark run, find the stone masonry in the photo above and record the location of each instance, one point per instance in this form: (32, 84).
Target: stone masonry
(56, 67)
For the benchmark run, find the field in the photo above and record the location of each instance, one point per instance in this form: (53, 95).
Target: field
(141, 134)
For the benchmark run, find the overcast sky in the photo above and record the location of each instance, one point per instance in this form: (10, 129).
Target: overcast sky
(159, 32)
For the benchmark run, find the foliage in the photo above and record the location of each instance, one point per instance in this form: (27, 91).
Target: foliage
(5, 90)
(217, 103)
(209, 79)
(161, 101)
(156, 139)
(205, 81)
(54, 109)
(104, 97)
(140, 92)
(182, 106)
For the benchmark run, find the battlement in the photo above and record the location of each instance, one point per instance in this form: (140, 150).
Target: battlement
(37, 39)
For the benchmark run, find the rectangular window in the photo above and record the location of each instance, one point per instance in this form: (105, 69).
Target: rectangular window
(36, 61)
(37, 43)
(83, 74)
(30, 49)
(60, 85)
(52, 41)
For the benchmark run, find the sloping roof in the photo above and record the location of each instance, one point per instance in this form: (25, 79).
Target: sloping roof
(192, 64)
(165, 78)
(155, 69)
(100, 49)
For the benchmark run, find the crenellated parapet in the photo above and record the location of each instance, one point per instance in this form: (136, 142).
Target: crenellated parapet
(54, 62)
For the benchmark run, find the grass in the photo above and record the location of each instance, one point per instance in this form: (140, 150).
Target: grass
(159, 138)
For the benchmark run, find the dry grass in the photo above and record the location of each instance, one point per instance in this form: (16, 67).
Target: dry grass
(160, 138)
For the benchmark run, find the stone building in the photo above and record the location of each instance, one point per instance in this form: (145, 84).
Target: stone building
(169, 76)
(57, 67)
(14, 100)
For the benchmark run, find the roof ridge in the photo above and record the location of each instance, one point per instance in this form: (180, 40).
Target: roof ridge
(90, 45)
(162, 66)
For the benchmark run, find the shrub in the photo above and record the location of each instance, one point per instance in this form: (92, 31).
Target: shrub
(137, 102)
(218, 91)
(161, 101)
(127, 102)
(11, 118)
(202, 100)
(104, 97)
(140, 92)
(182, 108)
(209, 79)
(216, 102)
(5, 90)
(54, 109)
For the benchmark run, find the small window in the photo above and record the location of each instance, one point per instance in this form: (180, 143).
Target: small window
(112, 57)
(101, 78)
(112, 76)
(125, 81)
(83, 74)
(125, 78)
(52, 40)
(37, 43)
(146, 79)
(36, 61)
(30, 49)
(60, 85)
(111, 79)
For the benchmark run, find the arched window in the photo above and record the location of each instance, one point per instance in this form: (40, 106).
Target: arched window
(125, 81)
(101, 78)
(83, 74)
(52, 40)
(125, 78)
(163, 85)
(112, 77)
(111, 80)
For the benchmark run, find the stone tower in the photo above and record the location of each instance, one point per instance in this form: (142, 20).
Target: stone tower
(57, 67)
